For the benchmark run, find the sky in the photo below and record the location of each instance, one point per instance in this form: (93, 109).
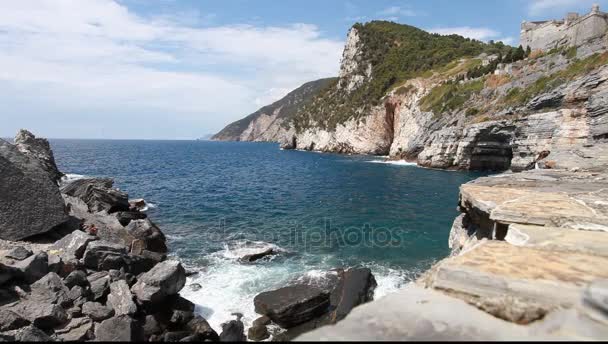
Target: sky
(182, 69)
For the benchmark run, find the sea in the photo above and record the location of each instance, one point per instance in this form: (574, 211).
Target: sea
(217, 201)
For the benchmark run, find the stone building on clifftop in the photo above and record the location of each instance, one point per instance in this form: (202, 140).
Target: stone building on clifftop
(574, 30)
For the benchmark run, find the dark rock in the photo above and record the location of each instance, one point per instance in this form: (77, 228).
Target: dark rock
(50, 289)
(42, 315)
(78, 295)
(233, 331)
(200, 326)
(40, 149)
(74, 312)
(103, 255)
(138, 264)
(125, 217)
(97, 311)
(56, 265)
(121, 328)
(7, 273)
(292, 305)
(98, 194)
(179, 318)
(356, 286)
(32, 268)
(151, 326)
(121, 299)
(196, 286)
(6, 338)
(190, 273)
(30, 201)
(138, 204)
(192, 338)
(100, 284)
(250, 258)
(148, 232)
(73, 245)
(77, 330)
(10, 320)
(258, 331)
(262, 321)
(19, 253)
(175, 336)
(165, 279)
(77, 277)
(32, 334)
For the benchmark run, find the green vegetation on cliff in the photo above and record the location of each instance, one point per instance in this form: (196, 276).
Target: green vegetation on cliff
(396, 53)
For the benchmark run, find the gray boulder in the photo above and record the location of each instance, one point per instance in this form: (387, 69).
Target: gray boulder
(73, 245)
(259, 330)
(40, 149)
(233, 331)
(32, 334)
(19, 253)
(100, 284)
(149, 233)
(292, 305)
(103, 255)
(42, 315)
(30, 202)
(32, 268)
(77, 330)
(121, 328)
(76, 278)
(165, 279)
(201, 327)
(10, 320)
(125, 217)
(97, 311)
(98, 194)
(121, 299)
(50, 289)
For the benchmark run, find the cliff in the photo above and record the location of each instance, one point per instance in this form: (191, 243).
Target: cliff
(270, 123)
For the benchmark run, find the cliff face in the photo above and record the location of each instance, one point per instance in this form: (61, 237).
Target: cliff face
(270, 123)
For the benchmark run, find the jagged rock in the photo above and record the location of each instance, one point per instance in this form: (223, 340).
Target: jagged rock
(76, 278)
(103, 255)
(98, 194)
(200, 326)
(42, 315)
(151, 326)
(259, 331)
(121, 299)
(355, 286)
(56, 265)
(32, 334)
(32, 268)
(39, 149)
(165, 279)
(138, 204)
(250, 258)
(97, 311)
(176, 336)
(74, 312)
(78, 295)
(19, 253)
(292, 305)
(100, 284)
(121, 328)
(77, 330)
(10, 320)
(6, 337)
(73, 245)
(233, 331)
(30, 202)
(125, 217)
(7, 273)
(148, 232)
(50, 289)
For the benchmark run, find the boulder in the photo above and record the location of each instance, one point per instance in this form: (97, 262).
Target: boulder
(138, 204)
(143, 262)
(250, 258)
(42, 315)
(151, 326)
(19, 253)
(149, 233)
(125, 217)
(30, 202)
(233, 331)
(40, 149)
(78, 296)
(32, 268)
(10, 320)
(73, 245)
(259, 330)
(175, 336)
(7, 273)
(355, 286)
(98, 194)
(165, 279)
(200, 326)
(32, 334)
(56, 265)
(292, 305)
(77, 330)
(76, 278)
(50, 289)
(103, 255)
(100, 284)
(97, 311)
(120, 299)
(120, 328)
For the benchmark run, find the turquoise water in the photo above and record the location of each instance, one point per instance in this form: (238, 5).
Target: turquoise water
(213, 199)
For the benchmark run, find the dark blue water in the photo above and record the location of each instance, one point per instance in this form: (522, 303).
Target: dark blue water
(212, 198)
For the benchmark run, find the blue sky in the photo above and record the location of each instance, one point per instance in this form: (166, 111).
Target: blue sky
(171, 69)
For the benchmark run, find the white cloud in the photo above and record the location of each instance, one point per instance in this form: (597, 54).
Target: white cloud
(397, 11)
(558, 8)
(98, 58)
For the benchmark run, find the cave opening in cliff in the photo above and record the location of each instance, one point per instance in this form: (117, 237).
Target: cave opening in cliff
(492, 153)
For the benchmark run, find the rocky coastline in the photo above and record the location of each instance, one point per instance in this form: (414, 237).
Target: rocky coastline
(80, 261)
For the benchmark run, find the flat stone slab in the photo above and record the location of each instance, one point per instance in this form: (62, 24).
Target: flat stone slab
(558, 239)
(495, 268)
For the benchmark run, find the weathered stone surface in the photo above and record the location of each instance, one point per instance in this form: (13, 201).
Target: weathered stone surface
(355, 286)
(32, 268)
(100, 284)
(119, 329)
(30, 202)
(73, 245)
(98, 194)
(165, 279)
(32, 334)
(76, 278)
(292, 305)
(125, 217)
(121, 299)
(558, 239)
(42, 315)
(250, 258)
(148, 232)
(97, 311)
(201, 327)
(78, 296)
(103, 255)
(19, 253)
(233, 331)
(77, 330)
(596, 296)
(50, 289)
(258, 333)
(40, 149)
(10, 320)
(175, 336)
